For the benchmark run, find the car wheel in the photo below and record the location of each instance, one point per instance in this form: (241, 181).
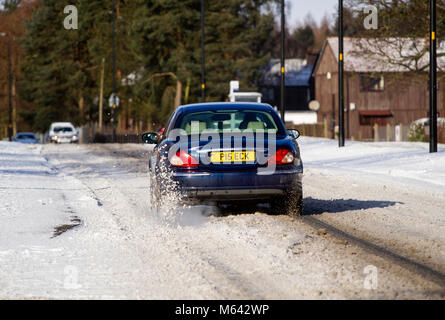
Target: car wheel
(291, 204)
(294, 204)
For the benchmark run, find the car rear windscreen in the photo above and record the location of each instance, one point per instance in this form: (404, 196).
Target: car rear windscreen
(63, 129)
(227, 121)
(25, 136)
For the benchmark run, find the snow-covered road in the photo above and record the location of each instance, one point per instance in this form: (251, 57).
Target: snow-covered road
(75, 223)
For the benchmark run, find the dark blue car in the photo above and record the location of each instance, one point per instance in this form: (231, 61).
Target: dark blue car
(225, 152)
(26, 137)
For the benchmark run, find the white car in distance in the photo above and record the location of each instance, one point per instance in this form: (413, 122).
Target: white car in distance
(63, 132)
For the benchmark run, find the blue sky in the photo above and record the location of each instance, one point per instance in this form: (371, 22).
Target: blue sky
(317, 8)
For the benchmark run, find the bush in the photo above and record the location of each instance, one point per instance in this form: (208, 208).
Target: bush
(416, 133)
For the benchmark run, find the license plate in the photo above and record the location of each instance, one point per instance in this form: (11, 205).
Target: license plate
(232, 156)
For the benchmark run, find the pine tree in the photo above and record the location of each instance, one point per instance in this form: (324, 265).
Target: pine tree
(237, 34)
(167, 36)
(10, 5)
(62, 67)
(305, 39)
(44, 80)
(158, 44)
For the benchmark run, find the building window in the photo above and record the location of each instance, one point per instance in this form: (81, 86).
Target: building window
(372, 83)
(373, 117)
(365, 121)
(372, 121)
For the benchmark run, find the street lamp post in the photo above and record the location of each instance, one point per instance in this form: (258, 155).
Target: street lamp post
(113, 110)
(341, 119)
(283, 79)
(203, 70)
(433, 78)
(9, 91)
(9, 86)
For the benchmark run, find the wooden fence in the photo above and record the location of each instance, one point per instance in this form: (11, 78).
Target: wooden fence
(377, 133)
(320, 130)
(90, 134)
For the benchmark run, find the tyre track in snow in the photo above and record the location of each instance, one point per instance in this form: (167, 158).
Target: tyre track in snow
(421, 269)
(386, 218)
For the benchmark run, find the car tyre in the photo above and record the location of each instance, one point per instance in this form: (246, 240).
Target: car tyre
(291, 204)
(294, 204)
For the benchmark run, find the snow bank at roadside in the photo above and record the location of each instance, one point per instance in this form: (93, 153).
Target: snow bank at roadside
(405, 163)
(37, 204)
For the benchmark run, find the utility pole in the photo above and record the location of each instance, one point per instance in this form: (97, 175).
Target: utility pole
(9, 90)
(333, 117)
(113, 110)
(433, 78)
(283, 79)
(14, 103)
(10, 126)
(341, 115)
(348, 110)
(203, 70)
(101, 97)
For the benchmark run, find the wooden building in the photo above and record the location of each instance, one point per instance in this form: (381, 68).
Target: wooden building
(384, 84)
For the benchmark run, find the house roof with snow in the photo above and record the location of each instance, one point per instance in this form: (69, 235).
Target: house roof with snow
(298, 73)
(369, 55)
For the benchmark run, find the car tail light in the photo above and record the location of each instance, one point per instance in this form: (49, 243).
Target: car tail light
(183, 160)
(282, 156)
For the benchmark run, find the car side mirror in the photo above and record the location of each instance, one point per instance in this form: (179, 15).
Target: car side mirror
(150, 138)
(295, 134)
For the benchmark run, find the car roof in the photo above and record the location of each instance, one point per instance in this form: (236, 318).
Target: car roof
(54, 124)
(225, 105)
(25, 133)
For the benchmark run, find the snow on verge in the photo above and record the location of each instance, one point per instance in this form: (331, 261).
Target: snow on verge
(405, 163)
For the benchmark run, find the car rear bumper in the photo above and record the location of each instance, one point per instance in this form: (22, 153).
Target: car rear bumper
(232, 195)
(63, 140)
(238, 185)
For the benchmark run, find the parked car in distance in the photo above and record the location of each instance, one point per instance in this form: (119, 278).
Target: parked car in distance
(63, 132)
(26, 137)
